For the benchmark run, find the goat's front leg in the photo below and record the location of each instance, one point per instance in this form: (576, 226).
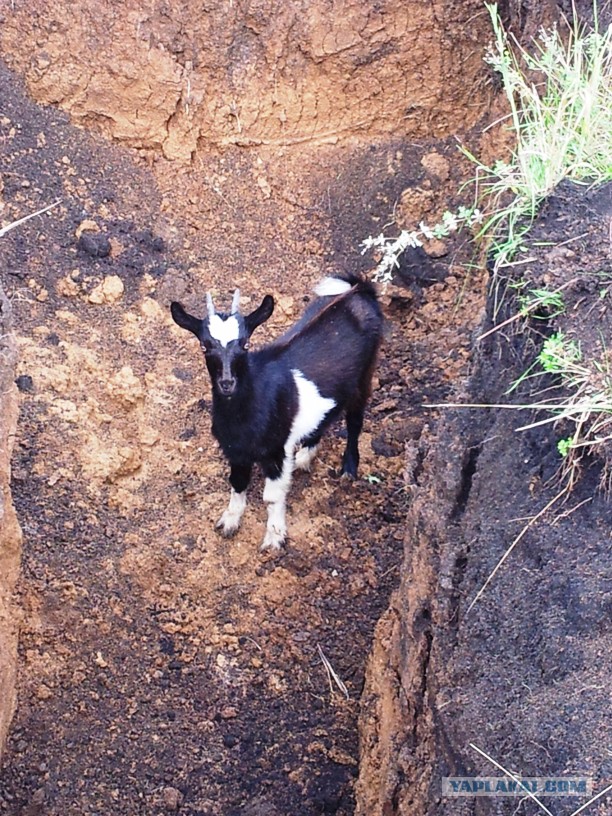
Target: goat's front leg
(240, 476)
(278, 481)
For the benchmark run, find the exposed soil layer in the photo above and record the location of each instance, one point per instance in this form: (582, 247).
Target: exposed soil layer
(10, 534)
(162, 667)
(188, 76)
(524, 674)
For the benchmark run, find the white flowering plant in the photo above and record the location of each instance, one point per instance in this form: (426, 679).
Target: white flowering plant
(391, 248)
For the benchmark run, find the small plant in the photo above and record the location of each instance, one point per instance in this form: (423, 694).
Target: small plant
(541, 304)
(560, 356)
(392, 248)
(562, 121)
(587, 401)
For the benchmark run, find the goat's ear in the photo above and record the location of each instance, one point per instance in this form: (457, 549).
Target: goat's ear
(184, 320)
(260, 315)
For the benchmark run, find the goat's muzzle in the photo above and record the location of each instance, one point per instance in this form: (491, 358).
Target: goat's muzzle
(227, 387)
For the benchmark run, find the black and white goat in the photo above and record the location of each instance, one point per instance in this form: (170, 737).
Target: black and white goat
(267, 402)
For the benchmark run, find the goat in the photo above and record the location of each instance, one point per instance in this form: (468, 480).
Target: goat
(267, 402)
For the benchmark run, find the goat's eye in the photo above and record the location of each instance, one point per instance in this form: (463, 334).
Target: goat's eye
(245, 345)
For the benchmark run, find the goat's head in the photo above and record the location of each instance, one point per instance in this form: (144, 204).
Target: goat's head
(224, 339)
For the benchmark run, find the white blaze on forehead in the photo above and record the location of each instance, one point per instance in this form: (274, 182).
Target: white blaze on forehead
(224, 330)
(332, 286)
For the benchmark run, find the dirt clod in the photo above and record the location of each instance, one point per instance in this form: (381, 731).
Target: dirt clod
(97, 246)
(109, 291)
(172, 798)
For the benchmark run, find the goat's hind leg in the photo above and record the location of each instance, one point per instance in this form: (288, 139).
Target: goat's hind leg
(240, 476)
(354, 424)
(354, 420)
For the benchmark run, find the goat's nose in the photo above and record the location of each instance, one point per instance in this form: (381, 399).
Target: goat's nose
(227, 386)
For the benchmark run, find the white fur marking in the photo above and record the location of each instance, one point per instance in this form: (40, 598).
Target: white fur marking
(275, 496)
(231, 518)
(332, 286)
(276, 528)
(224, 330)
(304, 457)
(312, 408)
(275, 490)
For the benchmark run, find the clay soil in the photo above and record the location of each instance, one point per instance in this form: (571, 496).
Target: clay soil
(163, 668)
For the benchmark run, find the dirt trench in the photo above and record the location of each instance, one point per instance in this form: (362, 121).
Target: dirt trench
(162, 668)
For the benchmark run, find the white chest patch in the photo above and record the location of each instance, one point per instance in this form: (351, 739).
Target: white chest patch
(224, 330)
(312, 409)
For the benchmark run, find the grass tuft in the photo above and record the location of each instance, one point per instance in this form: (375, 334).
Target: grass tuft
(560, 100)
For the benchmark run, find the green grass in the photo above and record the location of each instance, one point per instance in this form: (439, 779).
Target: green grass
(559, 99)
(585, 404)
(559, 95)
(542, 304)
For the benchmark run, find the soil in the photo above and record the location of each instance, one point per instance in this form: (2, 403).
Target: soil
(524, 673)
(162, 667)
(189, 77)
(10, 534)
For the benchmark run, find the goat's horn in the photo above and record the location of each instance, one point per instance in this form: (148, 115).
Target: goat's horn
(236, 301)
(210, 305)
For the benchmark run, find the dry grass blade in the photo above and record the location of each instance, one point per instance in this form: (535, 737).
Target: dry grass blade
(331, 674)
(20, 221)
(513, 777)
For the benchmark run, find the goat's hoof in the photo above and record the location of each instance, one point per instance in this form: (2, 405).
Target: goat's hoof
(228, 528)
(349, 474)
(273, 541)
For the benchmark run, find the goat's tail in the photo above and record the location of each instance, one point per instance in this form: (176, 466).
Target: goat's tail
(346, 282)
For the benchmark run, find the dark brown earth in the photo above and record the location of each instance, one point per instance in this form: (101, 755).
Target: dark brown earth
(524, 674)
